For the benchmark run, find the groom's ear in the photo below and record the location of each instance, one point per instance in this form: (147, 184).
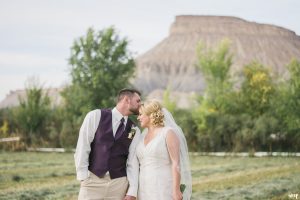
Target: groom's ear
(126, 99)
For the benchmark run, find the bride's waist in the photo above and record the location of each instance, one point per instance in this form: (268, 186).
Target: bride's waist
(155, 165)
(155, 170)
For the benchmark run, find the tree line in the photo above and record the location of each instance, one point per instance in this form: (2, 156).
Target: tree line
(258, 111)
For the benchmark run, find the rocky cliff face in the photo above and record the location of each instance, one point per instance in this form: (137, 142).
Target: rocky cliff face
(171, 63)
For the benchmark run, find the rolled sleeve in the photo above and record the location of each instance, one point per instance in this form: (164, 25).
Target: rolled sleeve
(83, 148)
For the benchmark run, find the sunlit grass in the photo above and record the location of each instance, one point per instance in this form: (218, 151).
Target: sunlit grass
(28, 175)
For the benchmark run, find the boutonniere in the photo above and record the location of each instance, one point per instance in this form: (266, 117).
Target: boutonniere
(182, 187)
(131, 133)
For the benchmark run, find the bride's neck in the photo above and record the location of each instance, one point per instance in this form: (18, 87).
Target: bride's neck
(153, 128)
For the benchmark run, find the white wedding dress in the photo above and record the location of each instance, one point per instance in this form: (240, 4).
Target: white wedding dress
(155, 180)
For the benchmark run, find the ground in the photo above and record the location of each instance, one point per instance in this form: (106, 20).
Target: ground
(29, 175)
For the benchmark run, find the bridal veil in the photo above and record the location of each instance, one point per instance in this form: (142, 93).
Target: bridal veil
(185, 171)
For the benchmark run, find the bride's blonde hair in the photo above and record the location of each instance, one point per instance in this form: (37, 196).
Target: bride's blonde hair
(153, 109)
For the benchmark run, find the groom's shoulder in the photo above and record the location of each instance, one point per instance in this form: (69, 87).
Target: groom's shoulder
(106, 110)
(93, 113)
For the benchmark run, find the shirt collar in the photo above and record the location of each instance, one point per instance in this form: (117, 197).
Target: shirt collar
(117, 116)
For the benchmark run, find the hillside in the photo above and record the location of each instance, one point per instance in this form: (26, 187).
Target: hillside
(172, 61)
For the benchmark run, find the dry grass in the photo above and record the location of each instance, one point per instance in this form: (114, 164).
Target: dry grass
(28, 175)
(245, 178)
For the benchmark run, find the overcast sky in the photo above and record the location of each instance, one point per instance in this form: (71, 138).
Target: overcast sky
(36, 35)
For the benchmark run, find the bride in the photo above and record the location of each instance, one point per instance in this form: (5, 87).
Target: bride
(163, 156)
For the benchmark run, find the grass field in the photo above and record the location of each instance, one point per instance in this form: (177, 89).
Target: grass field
(39, 176)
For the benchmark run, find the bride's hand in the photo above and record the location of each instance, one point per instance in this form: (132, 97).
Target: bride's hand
(177, 195)
(127, 197)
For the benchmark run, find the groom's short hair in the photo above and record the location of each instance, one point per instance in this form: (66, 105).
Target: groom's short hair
(127, 92)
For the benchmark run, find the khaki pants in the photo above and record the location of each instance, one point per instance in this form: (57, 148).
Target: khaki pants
(95, 188)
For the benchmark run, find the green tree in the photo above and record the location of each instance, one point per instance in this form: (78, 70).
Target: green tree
(293, 97)
(32, 114)
(168, 102)
(254, 101)
(286, 107)
(5, 122)
(257, 90)
(185, 120)
(101, 65)
(215, 65)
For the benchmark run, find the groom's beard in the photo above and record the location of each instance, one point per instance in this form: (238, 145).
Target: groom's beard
(134, 111)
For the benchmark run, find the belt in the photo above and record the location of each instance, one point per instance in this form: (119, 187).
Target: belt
(105, 175)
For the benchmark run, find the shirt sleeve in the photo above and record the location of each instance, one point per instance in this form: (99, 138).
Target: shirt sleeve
(133, 165)
(83, 148)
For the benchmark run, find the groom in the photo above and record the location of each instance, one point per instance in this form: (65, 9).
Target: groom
(105, 157)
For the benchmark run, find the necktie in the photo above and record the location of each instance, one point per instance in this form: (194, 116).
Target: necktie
(120, 129)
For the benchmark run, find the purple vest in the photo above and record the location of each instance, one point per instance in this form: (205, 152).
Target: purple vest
(108, 153)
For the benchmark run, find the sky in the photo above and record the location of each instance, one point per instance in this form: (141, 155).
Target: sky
(36, 35)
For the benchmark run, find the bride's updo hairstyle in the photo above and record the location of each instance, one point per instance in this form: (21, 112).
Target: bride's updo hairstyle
(153, 109)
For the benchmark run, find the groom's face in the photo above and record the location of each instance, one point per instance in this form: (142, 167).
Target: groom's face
(135, 104)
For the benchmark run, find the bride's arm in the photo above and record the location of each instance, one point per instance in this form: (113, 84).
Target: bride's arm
(173, 146)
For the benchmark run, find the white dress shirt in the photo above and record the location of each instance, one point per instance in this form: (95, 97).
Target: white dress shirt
(86, 137)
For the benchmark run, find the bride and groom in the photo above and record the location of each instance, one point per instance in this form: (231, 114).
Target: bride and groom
(115, 161)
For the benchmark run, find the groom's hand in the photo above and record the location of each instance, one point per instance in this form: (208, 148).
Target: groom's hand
(127, 197)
